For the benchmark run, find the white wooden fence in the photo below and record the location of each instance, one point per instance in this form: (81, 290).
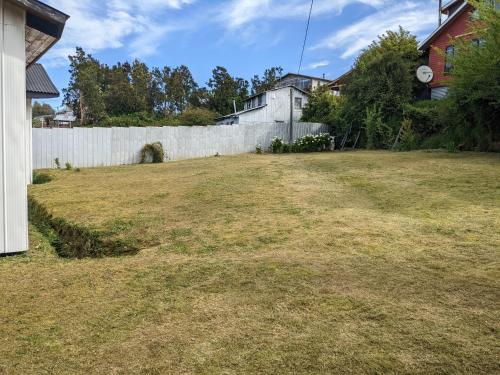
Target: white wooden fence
(96, 147)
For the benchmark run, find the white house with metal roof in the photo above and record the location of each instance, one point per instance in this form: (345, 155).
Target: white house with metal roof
(274, 106)
(28, 28)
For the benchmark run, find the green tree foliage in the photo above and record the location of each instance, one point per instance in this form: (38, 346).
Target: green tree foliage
(224, 89)
(267, 81)
(323, 107)
(120, 93)
(383, 82)
(85, 92)
(475, 85)
(40, 109)
(197, 116)
(137, 95)
(179, 87)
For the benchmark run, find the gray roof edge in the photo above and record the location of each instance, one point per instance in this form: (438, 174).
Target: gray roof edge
(425, 43)
(43, 10)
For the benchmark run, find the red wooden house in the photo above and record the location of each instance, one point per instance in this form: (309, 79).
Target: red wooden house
(439, 47)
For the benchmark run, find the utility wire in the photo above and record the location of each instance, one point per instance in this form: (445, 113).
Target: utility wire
(305, 37)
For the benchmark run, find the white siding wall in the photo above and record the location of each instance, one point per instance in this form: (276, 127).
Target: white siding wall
(29, 145)
(13, 130)
(277, 108)
(96, 147)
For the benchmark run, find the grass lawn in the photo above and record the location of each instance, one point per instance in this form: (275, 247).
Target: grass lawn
(366, 262)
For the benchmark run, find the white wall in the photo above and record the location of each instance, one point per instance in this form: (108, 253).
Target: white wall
(277, 107)
(96, 147)
(13, 130)
(29, 145)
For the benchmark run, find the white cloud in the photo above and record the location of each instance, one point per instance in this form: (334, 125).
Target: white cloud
(97, 25)
(238, 13)
(318, 64)
(352, 39)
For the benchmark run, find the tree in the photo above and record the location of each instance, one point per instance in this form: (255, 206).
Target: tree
(225, 89)
(475, 84)
(120, 95)
(85, 90)
(267, 81)
(42, 109)
(141, 81)
(323, 107)
(383, 82)
(180, 86)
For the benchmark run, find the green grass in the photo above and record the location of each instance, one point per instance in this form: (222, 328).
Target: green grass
(366, 262)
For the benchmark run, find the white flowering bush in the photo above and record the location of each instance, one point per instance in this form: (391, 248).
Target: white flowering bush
(277, 145)
(308, 143)
(312, 143)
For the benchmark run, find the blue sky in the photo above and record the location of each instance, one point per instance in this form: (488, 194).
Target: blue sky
(245, 36)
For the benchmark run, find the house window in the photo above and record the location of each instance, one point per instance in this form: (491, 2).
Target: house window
(478, 42)
(298, 103)
(448, 59)
(474, 15)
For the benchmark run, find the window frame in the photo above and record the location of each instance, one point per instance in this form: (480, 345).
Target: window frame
(298, 99)
(449, 53)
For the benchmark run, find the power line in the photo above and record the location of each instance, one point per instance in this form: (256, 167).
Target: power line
(305, 37)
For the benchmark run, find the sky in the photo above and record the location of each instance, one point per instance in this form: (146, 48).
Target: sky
(244, 36)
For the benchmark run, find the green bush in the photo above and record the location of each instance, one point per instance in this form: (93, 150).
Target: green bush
(312, 143)
(140, 119)
(197, 116)
(153, 151)
(276, 146)
(428, 116)
(408, 138)
(41, 178)
(74, 241)
(191, 116)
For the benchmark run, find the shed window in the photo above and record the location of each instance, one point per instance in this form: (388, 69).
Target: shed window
(262, 100)
(298, 103)
(448, 59)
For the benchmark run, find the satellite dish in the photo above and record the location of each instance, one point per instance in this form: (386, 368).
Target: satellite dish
(425, 74)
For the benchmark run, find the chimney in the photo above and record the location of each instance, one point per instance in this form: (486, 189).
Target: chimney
(440, 20)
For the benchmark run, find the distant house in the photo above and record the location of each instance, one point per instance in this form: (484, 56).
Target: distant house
(300, 81)
(336, 86)
(28, 28)
(273, 106)
(439, 47)
(38, 86)
(64, 118)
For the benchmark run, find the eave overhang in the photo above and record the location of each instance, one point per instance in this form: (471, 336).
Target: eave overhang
(44, 27)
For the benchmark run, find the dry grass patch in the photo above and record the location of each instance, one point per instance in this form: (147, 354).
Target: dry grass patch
(366, 262)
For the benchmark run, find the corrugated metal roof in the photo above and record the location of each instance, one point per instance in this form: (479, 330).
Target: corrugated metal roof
(38, 83)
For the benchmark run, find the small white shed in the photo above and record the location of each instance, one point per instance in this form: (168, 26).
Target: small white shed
(273, 106)
(28, 28)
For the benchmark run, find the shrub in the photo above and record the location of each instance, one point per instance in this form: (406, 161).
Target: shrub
(258, 149)
(276, 146)
(139, 119)
(408, 138)
(57, 163)
(197, 116)
(71, 240)
(312, 143)
(378, 133)
(153, 151)
(428, 116)
(69, 166)
(41, 178)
